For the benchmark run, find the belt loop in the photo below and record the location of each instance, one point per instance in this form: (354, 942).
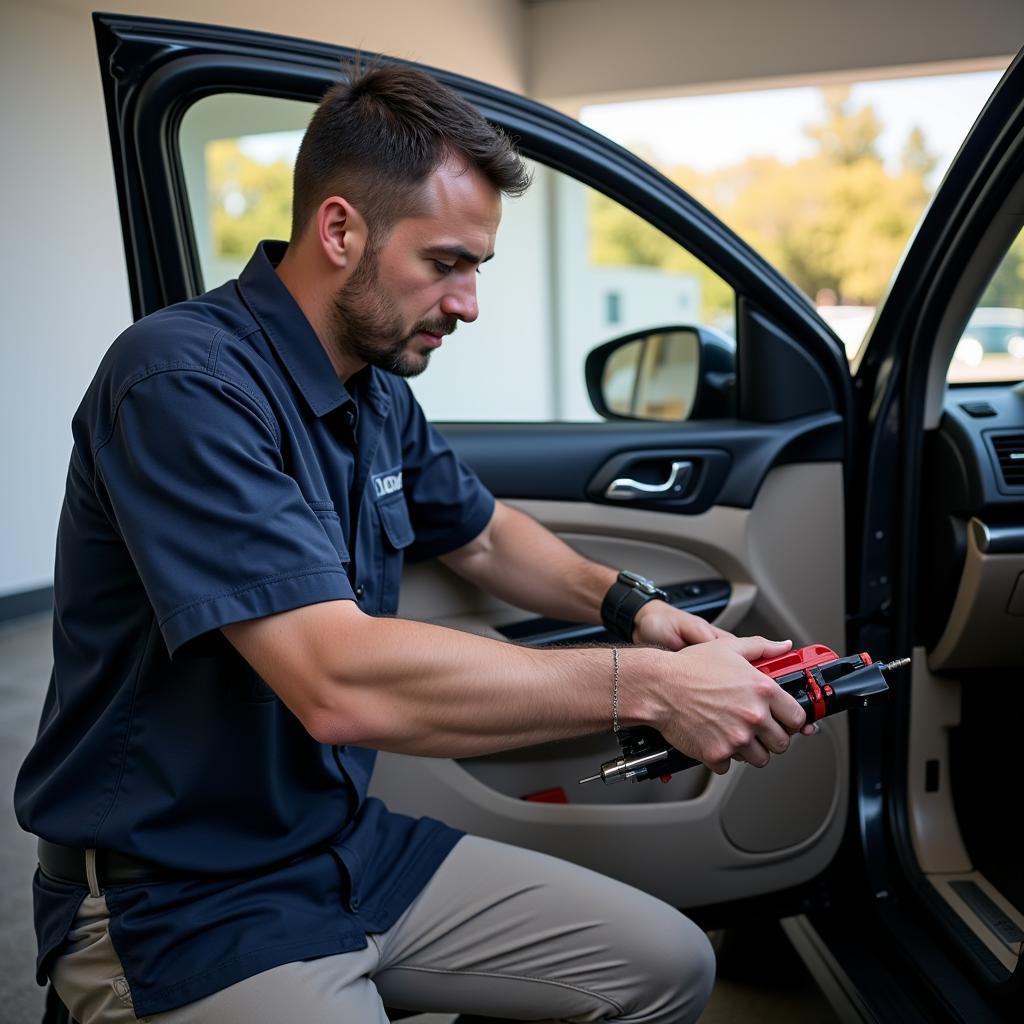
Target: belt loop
(90, 873)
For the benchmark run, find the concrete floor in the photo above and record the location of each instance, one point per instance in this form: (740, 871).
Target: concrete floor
(746, 992)
(25, 662)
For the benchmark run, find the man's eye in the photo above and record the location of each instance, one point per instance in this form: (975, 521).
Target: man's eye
(444, 268)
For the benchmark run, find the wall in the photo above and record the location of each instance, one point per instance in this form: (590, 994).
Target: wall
(64, 290)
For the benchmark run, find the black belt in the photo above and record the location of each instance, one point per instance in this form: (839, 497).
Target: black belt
(67, 864)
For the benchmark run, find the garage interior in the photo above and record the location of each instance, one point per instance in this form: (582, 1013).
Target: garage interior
(66, 294)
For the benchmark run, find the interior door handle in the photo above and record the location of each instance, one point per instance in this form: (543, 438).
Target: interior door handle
(625, 489)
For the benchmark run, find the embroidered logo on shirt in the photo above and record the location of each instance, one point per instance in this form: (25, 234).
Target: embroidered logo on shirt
(388, 482)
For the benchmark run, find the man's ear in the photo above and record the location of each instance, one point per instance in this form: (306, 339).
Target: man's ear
(341, 233)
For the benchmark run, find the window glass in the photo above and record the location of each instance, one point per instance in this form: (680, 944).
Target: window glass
(572, 268)
(826, 182)
(237, 152)
(992, 345)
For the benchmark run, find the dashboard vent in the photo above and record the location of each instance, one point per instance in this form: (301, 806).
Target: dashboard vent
(1010, 453)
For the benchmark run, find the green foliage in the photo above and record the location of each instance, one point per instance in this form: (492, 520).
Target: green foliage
(846, 136)
(836, 220)
(619, 238)
(249, 201)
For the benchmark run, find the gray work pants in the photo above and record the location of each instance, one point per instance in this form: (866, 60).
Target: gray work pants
(498, 931)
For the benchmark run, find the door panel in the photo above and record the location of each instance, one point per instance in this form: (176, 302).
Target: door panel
(705, 839)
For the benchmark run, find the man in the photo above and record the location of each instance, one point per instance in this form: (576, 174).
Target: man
(249, 470)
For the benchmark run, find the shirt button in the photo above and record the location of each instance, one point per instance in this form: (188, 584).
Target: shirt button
(360, 593)
(354, 903)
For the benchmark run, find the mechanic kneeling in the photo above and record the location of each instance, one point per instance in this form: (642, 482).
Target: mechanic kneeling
(249, 470)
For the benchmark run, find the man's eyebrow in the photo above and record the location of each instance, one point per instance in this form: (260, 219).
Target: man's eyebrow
(460, 254)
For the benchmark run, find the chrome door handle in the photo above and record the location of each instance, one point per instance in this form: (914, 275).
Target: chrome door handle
(625, 489)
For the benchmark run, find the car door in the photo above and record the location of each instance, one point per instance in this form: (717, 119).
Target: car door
(940, 534)
(756, 539)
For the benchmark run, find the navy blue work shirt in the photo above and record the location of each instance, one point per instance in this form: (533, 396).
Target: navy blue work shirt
(221, 472)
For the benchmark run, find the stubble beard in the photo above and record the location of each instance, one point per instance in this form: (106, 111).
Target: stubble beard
(367, 324)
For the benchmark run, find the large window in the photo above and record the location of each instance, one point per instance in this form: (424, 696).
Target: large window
(572, 268)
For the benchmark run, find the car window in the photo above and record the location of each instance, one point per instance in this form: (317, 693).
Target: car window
(573, 269)
(992, 346)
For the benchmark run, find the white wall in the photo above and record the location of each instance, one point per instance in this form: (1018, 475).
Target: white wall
(63, 290)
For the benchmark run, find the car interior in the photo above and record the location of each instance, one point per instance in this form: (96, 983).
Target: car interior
(967, 710)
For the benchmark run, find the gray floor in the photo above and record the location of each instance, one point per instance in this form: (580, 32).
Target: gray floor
(741, 996)
(24, 672)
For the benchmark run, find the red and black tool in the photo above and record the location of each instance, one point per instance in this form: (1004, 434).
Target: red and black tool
(819, 680)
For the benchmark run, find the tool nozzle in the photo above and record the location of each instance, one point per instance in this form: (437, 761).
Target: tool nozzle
(591, 778)
(898, 663)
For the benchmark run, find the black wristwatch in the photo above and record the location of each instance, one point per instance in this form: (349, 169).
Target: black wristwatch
(625, 597)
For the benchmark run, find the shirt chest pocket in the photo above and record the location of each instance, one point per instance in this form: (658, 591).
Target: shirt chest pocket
(396, 535)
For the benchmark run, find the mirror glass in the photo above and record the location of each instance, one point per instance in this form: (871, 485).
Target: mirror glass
(653, 377)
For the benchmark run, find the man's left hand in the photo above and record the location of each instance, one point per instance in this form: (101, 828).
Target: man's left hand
(659, 624)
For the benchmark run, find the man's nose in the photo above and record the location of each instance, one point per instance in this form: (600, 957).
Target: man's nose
(460, 300)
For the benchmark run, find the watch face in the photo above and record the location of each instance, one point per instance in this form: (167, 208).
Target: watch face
(634, 579)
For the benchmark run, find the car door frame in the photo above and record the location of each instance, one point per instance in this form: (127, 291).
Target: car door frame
(896, 384)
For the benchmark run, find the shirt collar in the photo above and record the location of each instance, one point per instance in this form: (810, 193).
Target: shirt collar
(289, 332)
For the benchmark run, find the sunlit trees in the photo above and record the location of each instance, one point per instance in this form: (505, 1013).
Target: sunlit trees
(836, 220)
(249, 199)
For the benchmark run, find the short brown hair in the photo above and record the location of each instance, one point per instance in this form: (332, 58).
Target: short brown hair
(379, 134)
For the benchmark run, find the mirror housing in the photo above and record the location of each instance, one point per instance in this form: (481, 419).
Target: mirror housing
(672, 374)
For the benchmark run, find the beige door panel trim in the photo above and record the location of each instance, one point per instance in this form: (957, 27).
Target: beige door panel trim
(934, 829)
(676, 850)
(789, 546)
(666, 564)
(982, 629)
(934, 711)
(784, 557)
(651, 543)
(795, 553)
(716, 537)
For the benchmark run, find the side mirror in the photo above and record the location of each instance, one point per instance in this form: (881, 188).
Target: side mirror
(663, 373)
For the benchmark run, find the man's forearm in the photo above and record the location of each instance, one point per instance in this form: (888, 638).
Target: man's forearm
(416, 688)
(526, 565)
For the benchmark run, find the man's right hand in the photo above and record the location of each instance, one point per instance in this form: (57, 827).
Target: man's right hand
(717, 707)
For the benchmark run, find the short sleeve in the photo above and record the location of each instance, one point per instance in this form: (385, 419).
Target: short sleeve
(193, 476)
(448, 504)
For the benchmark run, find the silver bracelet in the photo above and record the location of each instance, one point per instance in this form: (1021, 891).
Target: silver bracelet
(615, 690)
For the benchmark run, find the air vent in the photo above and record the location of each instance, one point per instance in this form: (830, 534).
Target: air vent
(1010, 453)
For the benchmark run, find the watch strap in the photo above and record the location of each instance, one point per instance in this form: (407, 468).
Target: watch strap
(621, 604)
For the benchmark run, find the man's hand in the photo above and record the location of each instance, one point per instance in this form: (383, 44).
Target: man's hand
(659, 624)
(720, 707)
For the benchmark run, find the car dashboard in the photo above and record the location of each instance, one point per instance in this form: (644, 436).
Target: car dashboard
(972, 569)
